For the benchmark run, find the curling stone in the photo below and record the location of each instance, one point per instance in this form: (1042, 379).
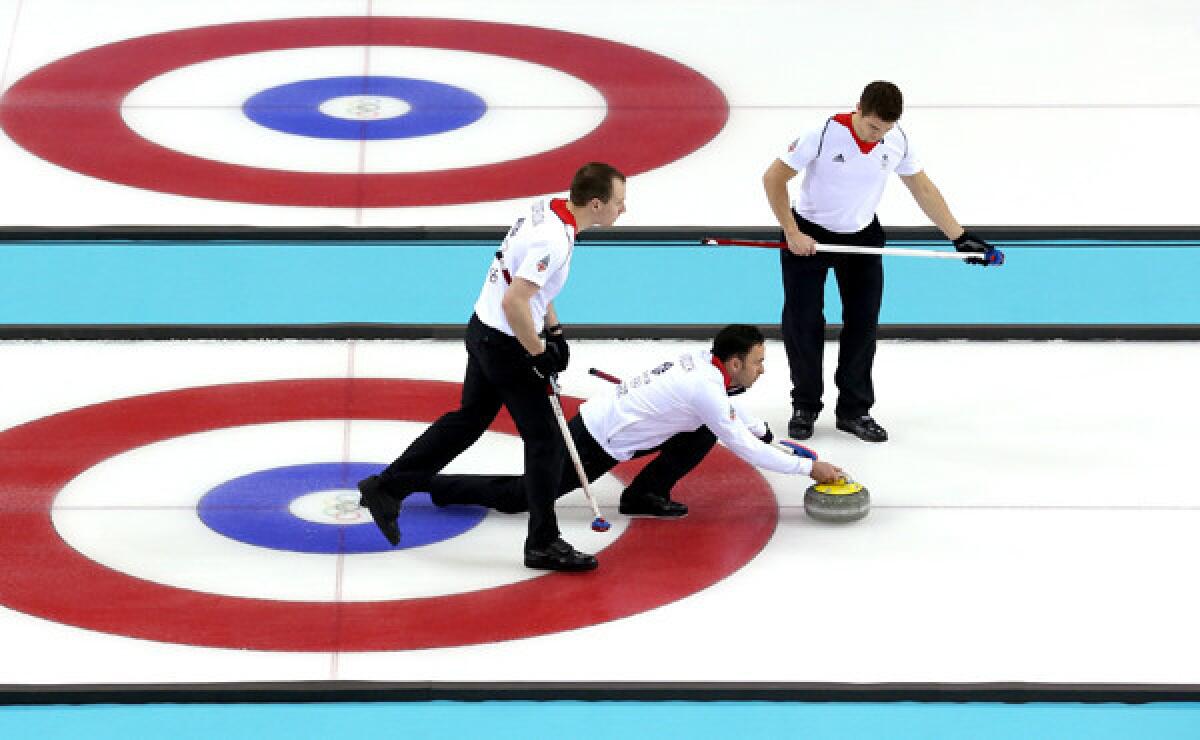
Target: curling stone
(844, 501)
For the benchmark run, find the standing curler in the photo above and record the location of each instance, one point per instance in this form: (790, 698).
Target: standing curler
(508, 365)
(847, 160)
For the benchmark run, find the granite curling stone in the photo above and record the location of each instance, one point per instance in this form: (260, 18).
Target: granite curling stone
(844, 501)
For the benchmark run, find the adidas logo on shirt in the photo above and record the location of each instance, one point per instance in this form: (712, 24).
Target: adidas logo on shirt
(839, 158)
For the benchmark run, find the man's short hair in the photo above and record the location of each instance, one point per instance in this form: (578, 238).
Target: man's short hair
(594, 180)
(736, 340)
(882, 99)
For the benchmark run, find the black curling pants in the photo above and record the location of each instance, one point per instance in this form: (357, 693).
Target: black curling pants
(498, 374)
(860, 285)
(677, 456)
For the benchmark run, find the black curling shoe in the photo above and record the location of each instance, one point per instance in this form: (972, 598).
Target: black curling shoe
(558, 555)
(649, 504)
(863, 427)
(384, 508)
(800, 426)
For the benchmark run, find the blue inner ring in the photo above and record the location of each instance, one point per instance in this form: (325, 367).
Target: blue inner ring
(254, 509)
(294, 108)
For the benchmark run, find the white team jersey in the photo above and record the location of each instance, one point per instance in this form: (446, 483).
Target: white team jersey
(538, 248)
(842, 184)
(679, 396)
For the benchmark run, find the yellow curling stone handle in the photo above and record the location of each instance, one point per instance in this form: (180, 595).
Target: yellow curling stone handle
(842, 488)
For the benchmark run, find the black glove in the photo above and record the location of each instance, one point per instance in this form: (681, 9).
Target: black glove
(766, 438)
(563, 353)
(544, 364)
(968, 242)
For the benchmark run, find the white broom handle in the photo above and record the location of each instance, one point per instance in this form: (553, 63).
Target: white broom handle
(570, 442)
(896, 252)
(844, 249)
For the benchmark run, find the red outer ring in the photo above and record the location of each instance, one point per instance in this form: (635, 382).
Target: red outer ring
(653, 563)
(69, 112)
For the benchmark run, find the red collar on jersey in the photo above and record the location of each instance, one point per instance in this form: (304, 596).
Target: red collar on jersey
(559, 206)
(847, 120)
(716, 361)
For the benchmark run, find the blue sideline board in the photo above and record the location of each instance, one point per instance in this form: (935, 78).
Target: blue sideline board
(523, 720)
(650, 283)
